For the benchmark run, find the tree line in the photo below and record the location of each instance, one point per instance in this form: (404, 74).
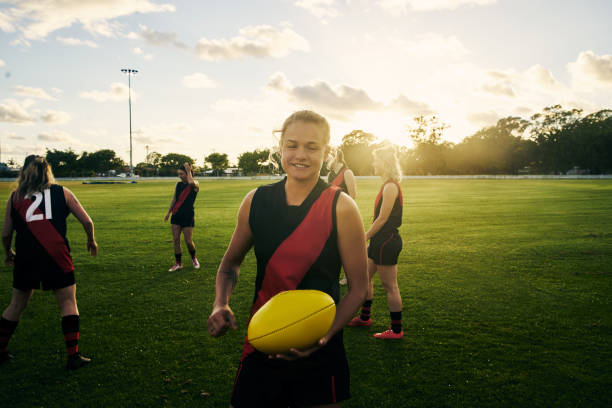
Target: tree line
(554, 141)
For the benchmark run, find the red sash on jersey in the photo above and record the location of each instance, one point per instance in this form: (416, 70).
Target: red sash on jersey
(296, 254)
(339, 178)
(46, 234)
(181, 199)
(380, 194)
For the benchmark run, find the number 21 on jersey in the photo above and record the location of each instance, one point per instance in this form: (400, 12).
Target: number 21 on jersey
(37, 198)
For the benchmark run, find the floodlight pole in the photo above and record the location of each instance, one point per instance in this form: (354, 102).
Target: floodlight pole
(129, 73)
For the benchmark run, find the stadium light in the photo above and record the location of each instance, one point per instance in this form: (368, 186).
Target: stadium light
(129, 73)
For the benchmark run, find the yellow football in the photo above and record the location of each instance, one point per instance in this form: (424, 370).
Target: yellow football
(291, 319)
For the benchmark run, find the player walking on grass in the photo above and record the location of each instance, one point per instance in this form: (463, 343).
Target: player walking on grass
(385, 242)
(37, 211)
(182, 220)
(303, 231)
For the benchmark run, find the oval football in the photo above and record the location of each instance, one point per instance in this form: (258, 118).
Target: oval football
(291, 319)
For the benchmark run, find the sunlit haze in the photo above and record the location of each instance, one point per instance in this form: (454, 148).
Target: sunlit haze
(221, 76)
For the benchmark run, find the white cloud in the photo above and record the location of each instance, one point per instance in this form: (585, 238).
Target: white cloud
(37, 19)
(483, 118)
(55, 136)
(342, 101)
(55, 117)
(12, 111)
(117, 92)
(500, 88)
(591, 70)
(14, 136)
(322, 9)
(139, 51)
(33, 92)
(163, 134)
(400, 7)
(159, 38)
(253, 41)
(76, 42)
(198, 80)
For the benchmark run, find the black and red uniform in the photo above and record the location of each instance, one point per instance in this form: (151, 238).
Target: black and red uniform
(386, 245)
(337, 179)
(42, 253)
(296, 248)
(182, 211)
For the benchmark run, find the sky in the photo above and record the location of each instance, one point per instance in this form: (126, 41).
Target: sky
(221, 76)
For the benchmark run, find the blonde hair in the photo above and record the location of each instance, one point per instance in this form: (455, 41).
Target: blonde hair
(307, 116)
(387, 154)
(35, 176)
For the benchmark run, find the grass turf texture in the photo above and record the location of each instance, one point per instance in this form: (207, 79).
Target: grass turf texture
(507, 290)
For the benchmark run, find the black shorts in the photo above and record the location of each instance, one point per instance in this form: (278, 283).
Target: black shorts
(182, 220)
(384, 249)
(29, 274)
(322, 378)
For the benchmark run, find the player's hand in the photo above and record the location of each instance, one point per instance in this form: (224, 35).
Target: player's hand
(295, 354)
(166, 217)
(187, 167)
(92, 247)
(9, 260)
(220, 320)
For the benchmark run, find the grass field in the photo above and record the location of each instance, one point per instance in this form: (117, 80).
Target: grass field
(507, 290)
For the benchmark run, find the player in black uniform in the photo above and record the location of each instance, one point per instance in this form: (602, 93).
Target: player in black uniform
(340, 175)
(181, 208)
(37, 211)
(303, 231)
(385, 242)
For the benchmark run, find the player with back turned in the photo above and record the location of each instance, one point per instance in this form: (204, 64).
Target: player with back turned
(37, 211)
(303, 230)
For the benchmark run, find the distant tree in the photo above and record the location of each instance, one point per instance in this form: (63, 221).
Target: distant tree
(171, 162)
(63, 162)
(357, 149)
(154, 159)
(218, 162)
(101, 161)
(255, 162)
(431, 152)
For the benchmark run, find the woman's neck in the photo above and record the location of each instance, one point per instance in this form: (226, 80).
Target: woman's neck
(296, 191)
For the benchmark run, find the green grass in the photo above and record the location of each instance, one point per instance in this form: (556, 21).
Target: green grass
(507, 290)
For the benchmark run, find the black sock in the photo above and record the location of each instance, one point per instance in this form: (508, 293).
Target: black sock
(70, 328)
(365, 309)
(7, 328)
(396, 321)
(192, 253)
(178, 257)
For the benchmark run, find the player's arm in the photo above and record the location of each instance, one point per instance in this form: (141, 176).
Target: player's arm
(80, 214)
(7, 234)
(171, 206)
(351, 186)
(190, 180)
(222, 317)
(352, 247)
(388, 199)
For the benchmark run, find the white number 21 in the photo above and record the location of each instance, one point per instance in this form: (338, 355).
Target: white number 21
(38, 197)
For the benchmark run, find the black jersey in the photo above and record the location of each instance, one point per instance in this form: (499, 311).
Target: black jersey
(296, 246)
(184, 197)
(40, 223)
(337, 179)
(395, 218)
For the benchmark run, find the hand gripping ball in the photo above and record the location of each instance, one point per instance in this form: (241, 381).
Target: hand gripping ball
(292, 319)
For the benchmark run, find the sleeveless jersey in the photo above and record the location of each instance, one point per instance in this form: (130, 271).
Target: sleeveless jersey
(184, 198)
(337, 179)
(295, 246)
(395, 218)
(40, 225)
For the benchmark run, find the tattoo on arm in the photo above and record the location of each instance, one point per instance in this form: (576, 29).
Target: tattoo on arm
(232, 276)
